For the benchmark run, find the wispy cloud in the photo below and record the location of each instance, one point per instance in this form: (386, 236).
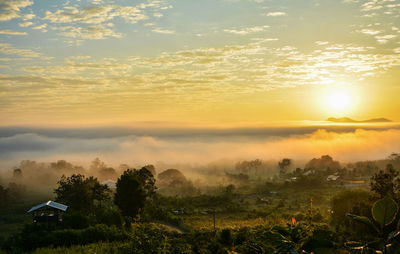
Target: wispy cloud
(11, 9)
(12, 32)
(8, 49)
(383, 39)
(162, 31)
(370, 31)
(246, 30)
(25, 24)
(93, 32)
(95, 22)
(276, 14)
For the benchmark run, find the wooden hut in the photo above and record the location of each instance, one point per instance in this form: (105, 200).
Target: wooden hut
(48, 212)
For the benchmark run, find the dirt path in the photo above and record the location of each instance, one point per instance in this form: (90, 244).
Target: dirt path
(171, 227)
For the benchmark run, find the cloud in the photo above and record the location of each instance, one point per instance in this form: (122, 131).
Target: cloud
(276, 14)
(93, 32)
(28, 16)
(321, 43)
(200, 73)
(41, 27)
(8, 49)
(162, 31)
(11, 9)
(25, 24)
(247, 30)
(88, 15)
(95, 22)
(370, 31)
(383, 39)
(12, 32)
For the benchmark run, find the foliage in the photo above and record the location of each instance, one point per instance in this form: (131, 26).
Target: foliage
(283, 165)
(80, 193)
(384, 182)
(4, 196)
(326, 162)
(350, 201)
(76, 220)
(109, 216)
(226, 237)
(248, 166)
(130, 194)
(384, 212)
(171, 177)
(36, 236)
(147, 179)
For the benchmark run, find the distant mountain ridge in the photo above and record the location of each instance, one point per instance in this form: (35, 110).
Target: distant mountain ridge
(349, 120)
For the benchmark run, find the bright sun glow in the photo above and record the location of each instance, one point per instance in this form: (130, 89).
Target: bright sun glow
(340, 100)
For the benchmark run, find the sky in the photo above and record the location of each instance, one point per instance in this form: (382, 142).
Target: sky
(197, 81)
(201, 63)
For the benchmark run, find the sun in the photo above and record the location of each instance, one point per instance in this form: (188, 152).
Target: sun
(339, 100)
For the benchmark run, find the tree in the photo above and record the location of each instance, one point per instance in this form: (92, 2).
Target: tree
(16, 191)
(130, 195)
(171, 177)
(247, 166)
(96, 165)
(151, 168)
(384, 183)
(326, 162)
(394, 157)
(81, 193)
(283, 165)
(107, 173)
(17, 174)
(4, 196)
(147, 179)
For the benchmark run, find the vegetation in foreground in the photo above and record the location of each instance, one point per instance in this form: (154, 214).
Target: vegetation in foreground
(297, 211)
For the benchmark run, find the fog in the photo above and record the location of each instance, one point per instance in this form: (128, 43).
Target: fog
(194, 146)
(204, 156)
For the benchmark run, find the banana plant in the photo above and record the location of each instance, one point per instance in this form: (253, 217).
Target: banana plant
(384, 212)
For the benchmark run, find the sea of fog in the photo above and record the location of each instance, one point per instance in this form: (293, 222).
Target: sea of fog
(135, 146)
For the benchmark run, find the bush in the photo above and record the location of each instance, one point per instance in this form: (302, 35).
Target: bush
(226, 237)
(75, 220)
(109, 216)
(358, 202)
(35, 236)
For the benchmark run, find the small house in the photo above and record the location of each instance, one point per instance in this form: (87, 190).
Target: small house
(48, 212)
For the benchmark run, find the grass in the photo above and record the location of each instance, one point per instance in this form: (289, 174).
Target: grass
(96, 248)
(13, 218)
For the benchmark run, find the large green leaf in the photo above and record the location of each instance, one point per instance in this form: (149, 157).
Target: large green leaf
(364, 220)
(384, 211)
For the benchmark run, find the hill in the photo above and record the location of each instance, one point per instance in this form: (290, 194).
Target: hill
(349, 120)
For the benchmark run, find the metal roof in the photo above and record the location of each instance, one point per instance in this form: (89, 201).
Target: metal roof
(50, 204)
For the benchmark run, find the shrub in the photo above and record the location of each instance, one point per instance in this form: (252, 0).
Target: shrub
(356, 202)
(226, 237)
(109, 216)
(75, 220)
(35, 236)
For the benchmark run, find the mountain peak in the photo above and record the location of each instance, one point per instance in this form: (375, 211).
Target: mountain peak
(349, 120)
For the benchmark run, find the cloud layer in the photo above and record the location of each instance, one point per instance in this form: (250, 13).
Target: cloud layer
(196, 146)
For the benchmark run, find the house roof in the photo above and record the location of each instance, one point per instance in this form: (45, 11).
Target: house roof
(50, 204)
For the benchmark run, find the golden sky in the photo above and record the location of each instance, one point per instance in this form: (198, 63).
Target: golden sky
(208, 62)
